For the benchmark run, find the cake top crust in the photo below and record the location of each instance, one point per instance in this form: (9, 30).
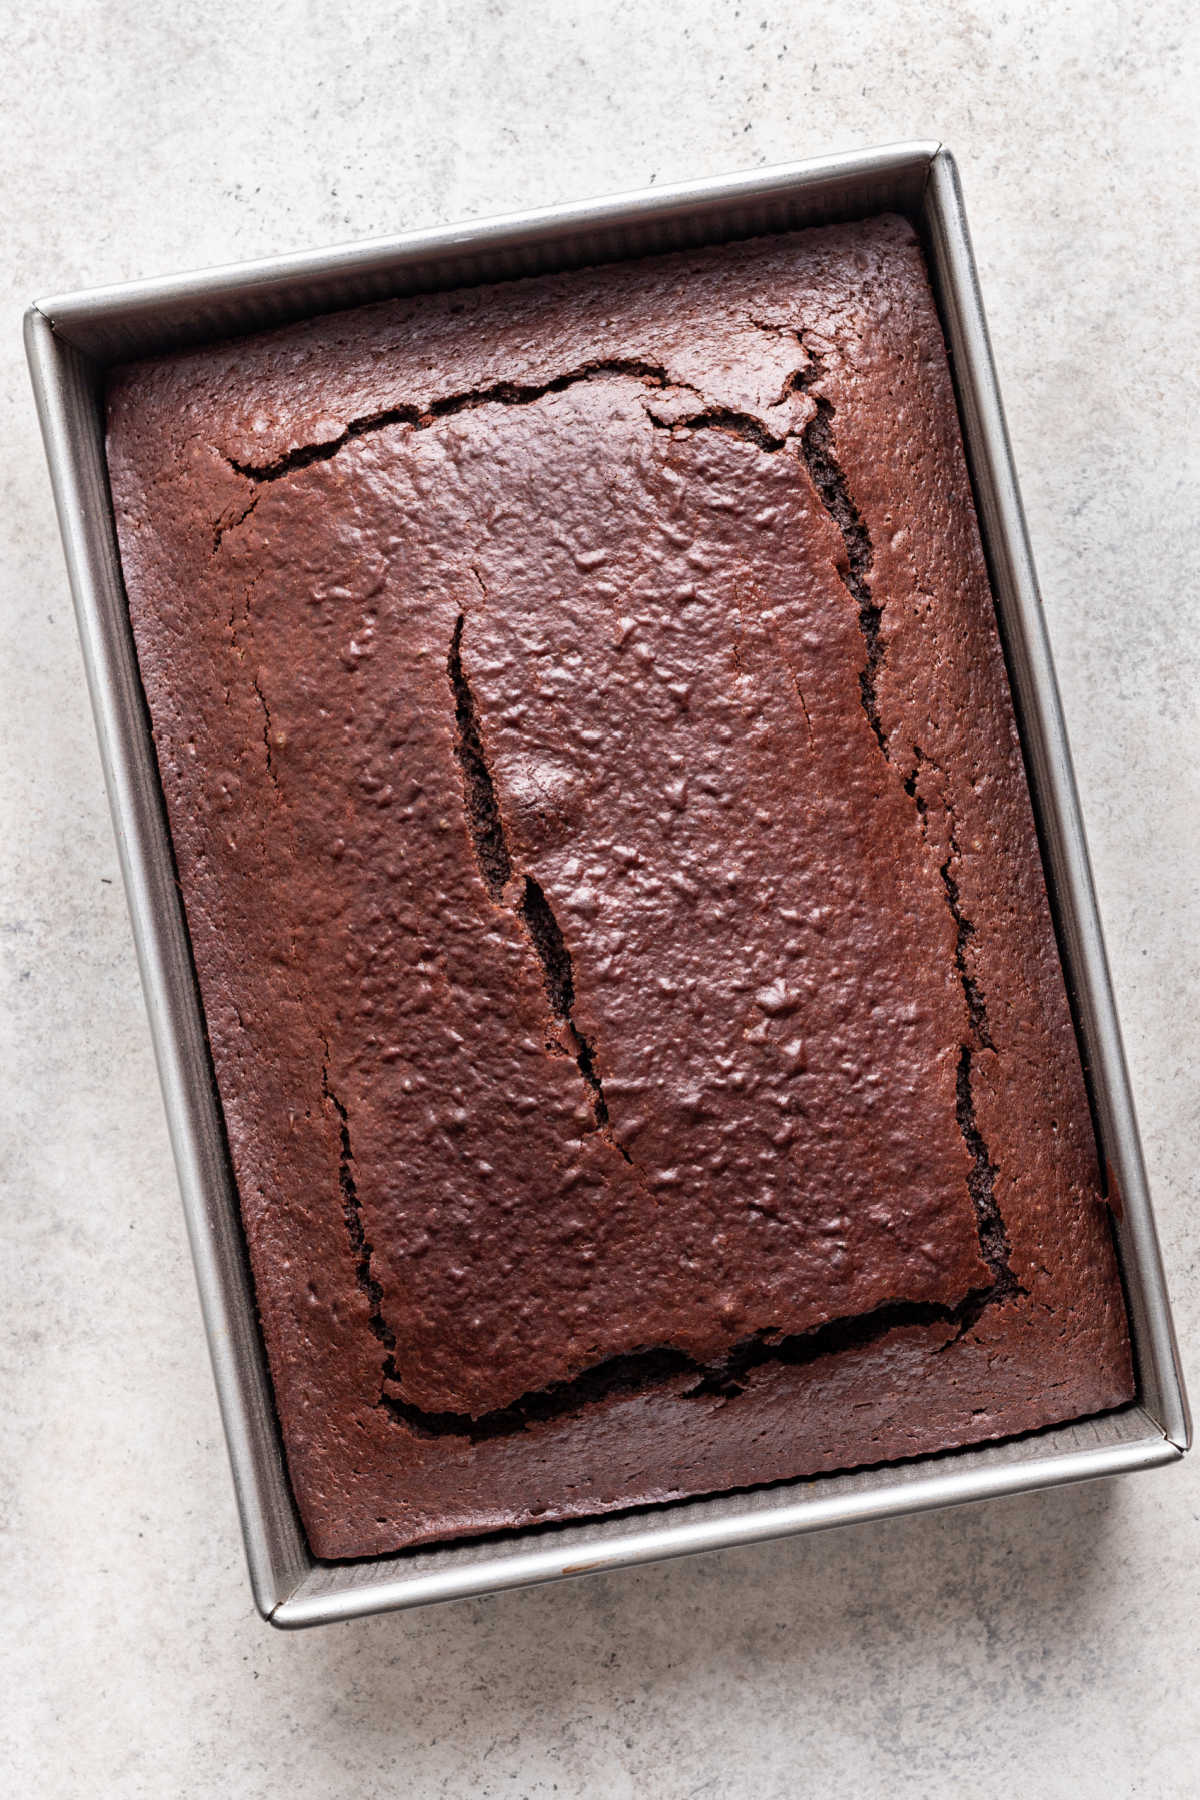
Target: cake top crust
(602, 830)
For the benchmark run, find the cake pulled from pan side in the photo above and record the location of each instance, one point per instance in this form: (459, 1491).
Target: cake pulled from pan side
(613, 888)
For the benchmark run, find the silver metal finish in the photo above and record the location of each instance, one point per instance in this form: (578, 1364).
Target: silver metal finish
(70, 339)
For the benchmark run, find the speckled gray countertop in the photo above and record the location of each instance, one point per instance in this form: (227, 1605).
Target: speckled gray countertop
(1044, 1646)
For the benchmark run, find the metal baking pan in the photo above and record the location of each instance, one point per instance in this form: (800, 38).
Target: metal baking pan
(70, 340)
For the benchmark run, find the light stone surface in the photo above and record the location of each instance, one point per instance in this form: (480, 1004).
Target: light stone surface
(1047, 1645)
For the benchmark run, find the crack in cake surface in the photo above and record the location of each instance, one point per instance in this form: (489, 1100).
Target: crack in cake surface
(820, 459)
(479, 793)
(500, 393)
(728, 419)
(993, 1236)
(994, 1244)
(352, 1213)
(266, 730)
(532, 908)
(964, 931)
(820, 456)
(641, 1371)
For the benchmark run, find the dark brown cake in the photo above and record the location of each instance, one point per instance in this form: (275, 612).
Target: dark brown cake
(613, 888)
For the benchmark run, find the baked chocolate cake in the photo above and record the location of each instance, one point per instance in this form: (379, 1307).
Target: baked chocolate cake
(613, 888)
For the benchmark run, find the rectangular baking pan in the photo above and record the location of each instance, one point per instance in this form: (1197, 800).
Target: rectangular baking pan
(70, 340)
